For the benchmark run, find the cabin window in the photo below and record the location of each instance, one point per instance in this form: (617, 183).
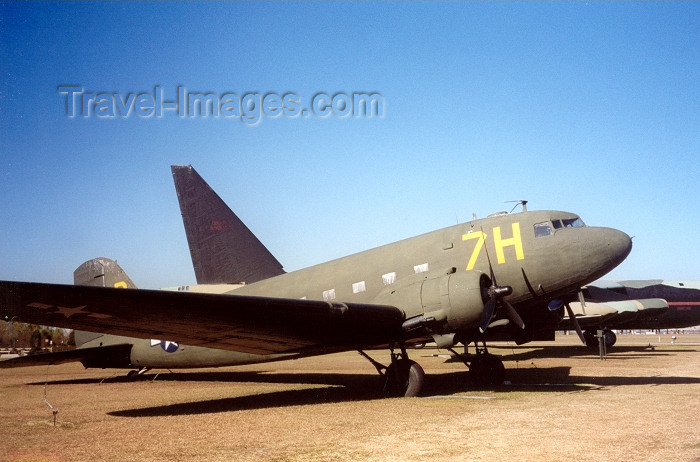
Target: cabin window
(543, 229)
(420, 268)
(573, 223)
(358, 287)
(329, 295)
(388, 278)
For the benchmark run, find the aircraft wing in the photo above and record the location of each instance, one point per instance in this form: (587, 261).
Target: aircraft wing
(593, 315)
(94, 356)
(614, 314)
(250, 324)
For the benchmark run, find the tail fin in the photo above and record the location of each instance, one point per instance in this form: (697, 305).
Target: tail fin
(99, 272)
(223, 249)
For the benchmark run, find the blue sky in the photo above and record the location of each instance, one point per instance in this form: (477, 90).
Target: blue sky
(592, 108)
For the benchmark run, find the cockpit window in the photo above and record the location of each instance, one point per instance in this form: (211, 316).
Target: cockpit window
(557, 224)
(573, 223)
(543, 229)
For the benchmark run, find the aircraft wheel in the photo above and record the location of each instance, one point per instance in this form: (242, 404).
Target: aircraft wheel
(610, 338)
(591, 339)
(132, 375)
(487, 369)
(404, 378)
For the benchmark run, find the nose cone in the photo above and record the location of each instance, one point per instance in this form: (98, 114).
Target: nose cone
(575, 257)
(617, 246)
(597, 251)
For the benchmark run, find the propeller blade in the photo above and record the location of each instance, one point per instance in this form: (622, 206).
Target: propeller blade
(497, 293)
(582, 301)
(513, 315)
(572, 316)
(488, 258)
(487, 314)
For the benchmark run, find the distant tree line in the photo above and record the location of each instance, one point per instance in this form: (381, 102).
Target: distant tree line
(20, 335)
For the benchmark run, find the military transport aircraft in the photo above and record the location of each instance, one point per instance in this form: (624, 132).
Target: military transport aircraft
(448, 286)
(217, 257)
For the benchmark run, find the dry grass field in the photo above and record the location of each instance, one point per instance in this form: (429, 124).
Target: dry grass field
(562, 403)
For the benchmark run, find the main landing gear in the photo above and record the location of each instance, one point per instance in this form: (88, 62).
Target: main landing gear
(133, 375)
(484, 368)
(591, 337)
(403, 377)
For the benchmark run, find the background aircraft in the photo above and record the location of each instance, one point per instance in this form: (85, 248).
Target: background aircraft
(644, 304)
(441, 286)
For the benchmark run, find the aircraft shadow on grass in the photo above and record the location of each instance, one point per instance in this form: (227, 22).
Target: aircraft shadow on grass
(345, 388)
(330, 388)
(520, 353)
(359, 386)
(339, 387)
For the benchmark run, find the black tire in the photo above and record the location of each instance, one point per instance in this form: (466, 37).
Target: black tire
(610, 338)
(488, 369)
(404, 378)
(416, 377)
(591, 339)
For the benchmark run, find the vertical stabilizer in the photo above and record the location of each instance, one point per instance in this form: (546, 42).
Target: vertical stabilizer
(223, 249)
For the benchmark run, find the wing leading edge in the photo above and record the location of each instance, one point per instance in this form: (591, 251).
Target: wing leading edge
(250, 324)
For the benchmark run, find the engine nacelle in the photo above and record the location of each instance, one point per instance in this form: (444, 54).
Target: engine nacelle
(456, 300)
(451, 300)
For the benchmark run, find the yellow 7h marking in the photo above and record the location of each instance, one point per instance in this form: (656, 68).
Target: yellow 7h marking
(500, 243)
(481, 236)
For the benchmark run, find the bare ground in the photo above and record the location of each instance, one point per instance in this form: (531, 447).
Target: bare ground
(562, 403)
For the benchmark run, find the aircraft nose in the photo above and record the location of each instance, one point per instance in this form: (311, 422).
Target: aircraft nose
(618, 245)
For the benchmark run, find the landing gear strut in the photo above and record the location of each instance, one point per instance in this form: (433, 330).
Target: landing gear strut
(403, 377)
(484, 368)
(133, 375)
(592, 338)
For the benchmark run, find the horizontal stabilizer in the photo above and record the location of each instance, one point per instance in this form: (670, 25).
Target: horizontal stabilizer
(103, 356)
(102, 272)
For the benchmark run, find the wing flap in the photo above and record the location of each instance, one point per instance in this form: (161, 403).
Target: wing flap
(250, 324)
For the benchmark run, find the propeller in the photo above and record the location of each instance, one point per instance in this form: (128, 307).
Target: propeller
(572, 316)
(556, 304)
(496, 297)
